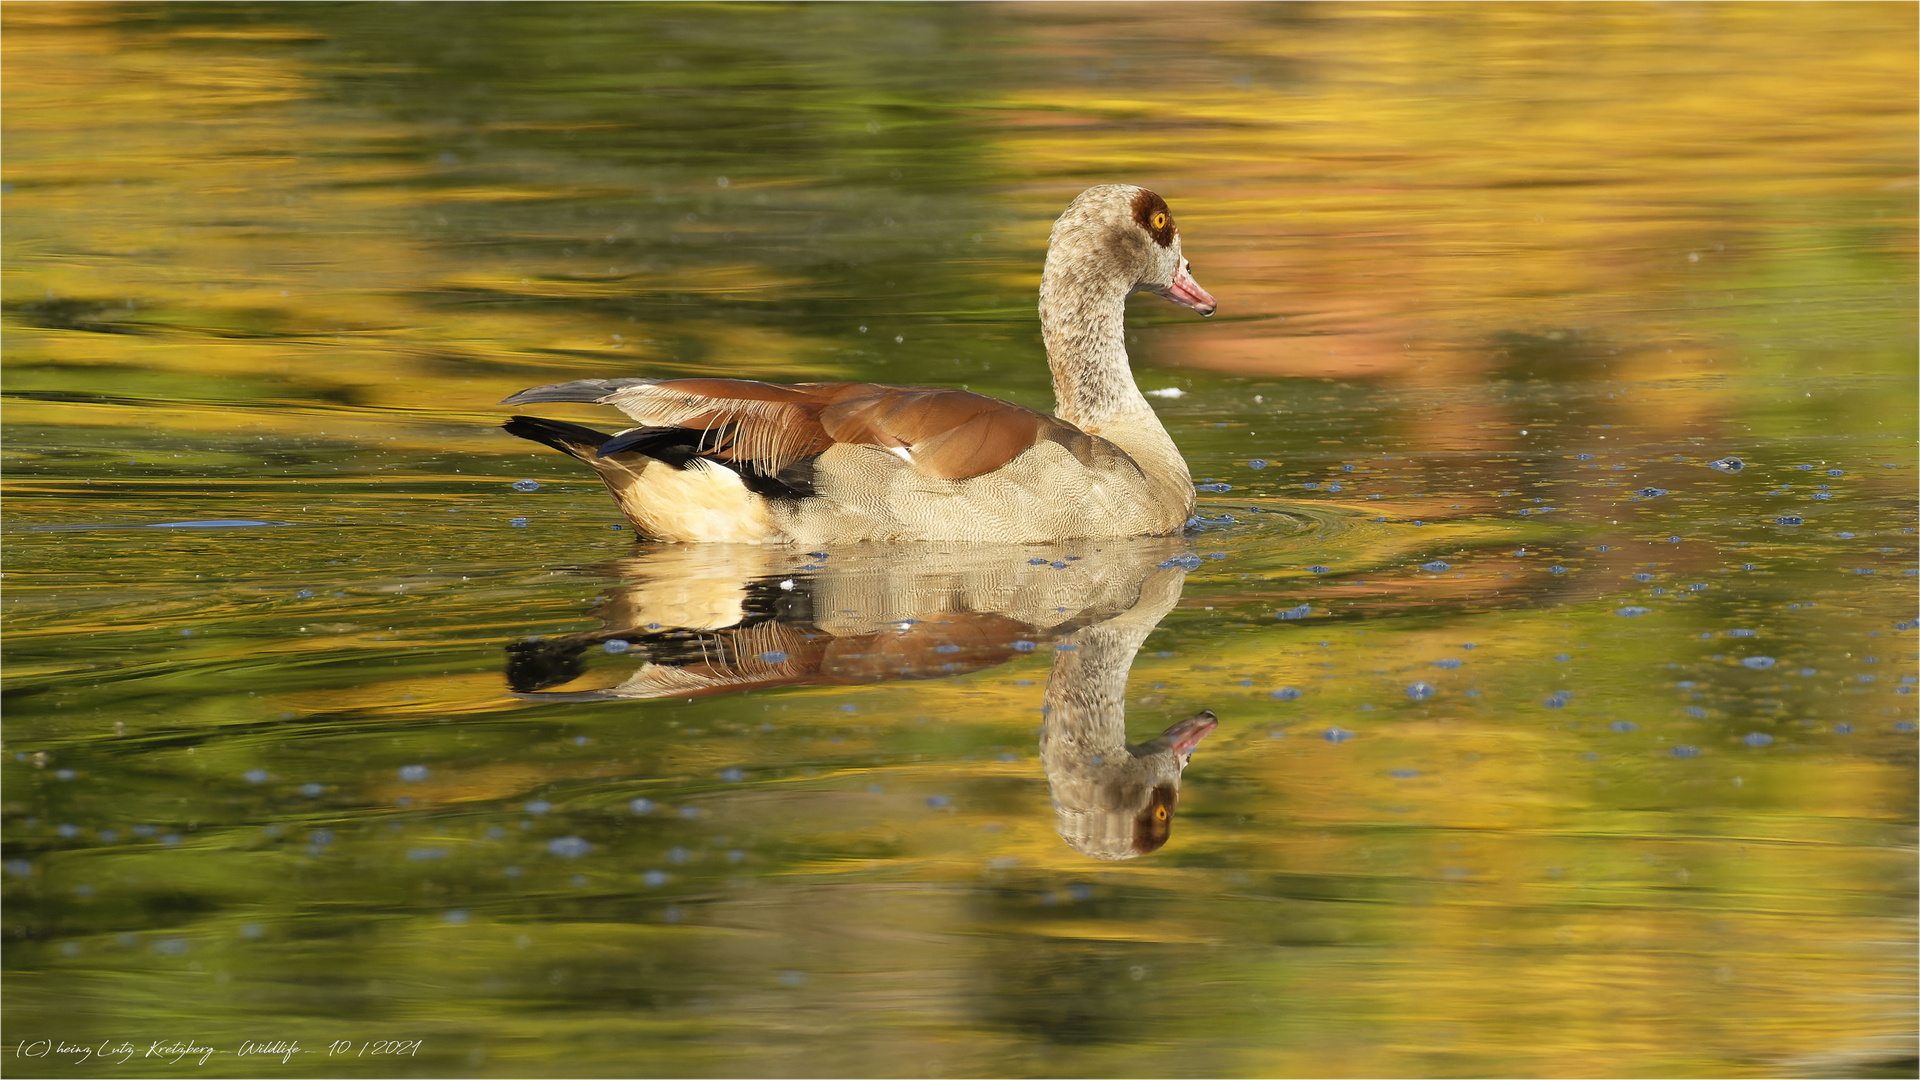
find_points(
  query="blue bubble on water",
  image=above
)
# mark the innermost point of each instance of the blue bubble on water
(849, 708)
(1036, 562)
(1758, 663)
(1256, 463)
(1420, 691)
(938, 800)
(1318, 570)
(616, 646)
(641, 805)
(1686, 751)
(526, 485)
(413, 773)
(569, 847)
(694, 811)
(1583, 457)
(1300, 612)
(1789, 519)
(1337, 735)
(654, 878)
(1335, 487)
(1742, 633)
(1651, 492)
(1404, 774)
(518, 522)
(1435, 567)
(1863, 569)
(255, 776)
(1622, 726)
(1449, 663)
(1311, 485)
(1285, 693)
(732, 775)
(304, 594)
(1757, 738)
(1556, 569)
(1903, 725)
(1643, 576)
(1629, 612)
(1804, 468)
(1836, 472)
(538, 806)
(1696, 712)
(1728, 464)
(1213, 487)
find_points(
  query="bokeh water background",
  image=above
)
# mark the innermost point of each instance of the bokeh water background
(1547, 746)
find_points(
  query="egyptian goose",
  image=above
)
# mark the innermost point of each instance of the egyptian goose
(718, 619)
(752, 462)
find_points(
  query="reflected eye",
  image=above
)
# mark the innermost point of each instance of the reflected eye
(1160, 219)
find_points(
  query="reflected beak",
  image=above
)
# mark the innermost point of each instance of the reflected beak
(1186, 734)
(1186, 292)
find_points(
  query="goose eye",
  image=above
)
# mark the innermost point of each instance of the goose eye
(1159, 813)
(1160, 219)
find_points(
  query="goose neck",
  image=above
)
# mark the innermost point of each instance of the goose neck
(1083, 321)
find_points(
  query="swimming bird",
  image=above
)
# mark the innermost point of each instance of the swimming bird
(743, 461)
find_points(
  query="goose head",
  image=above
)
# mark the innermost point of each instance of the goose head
(1121, 237)
(1119, 805)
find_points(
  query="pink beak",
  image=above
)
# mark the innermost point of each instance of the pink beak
(1186, 734)
(1185, 291)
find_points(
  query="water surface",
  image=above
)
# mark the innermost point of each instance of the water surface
(1555, 589)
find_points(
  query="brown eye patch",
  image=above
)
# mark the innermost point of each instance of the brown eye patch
(1151, 212)
(1153, 825)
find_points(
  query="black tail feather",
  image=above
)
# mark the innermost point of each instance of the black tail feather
(673, 446)
(577, 390)
(576, 439)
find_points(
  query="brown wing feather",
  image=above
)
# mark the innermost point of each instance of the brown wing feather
(948, 434)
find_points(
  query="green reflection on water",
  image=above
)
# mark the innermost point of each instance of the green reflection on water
(1492, 271)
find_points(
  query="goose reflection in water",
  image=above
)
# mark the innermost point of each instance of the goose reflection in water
(713, 619)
